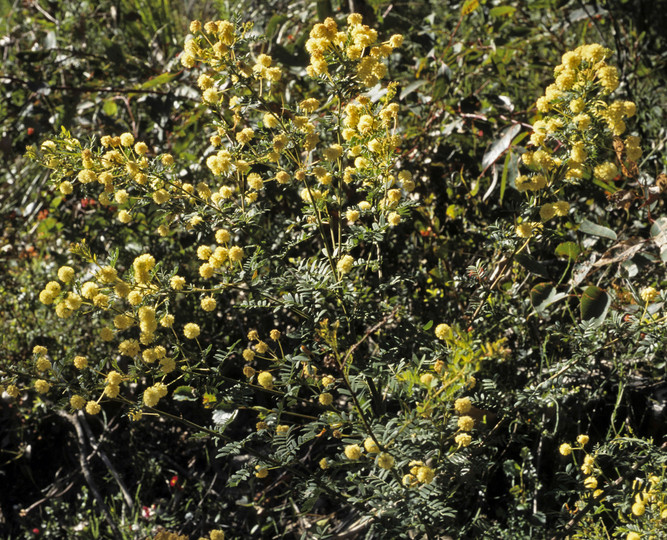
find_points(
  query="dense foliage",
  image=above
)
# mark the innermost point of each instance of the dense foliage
(321, 270)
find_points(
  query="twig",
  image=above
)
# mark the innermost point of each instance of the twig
(594, 500)
(107, 462)
(90, 481)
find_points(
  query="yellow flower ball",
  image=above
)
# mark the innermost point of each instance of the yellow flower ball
(265, 380)
(565, 449)
(463, 405)
(466, 423)
(92, 407)
(236, 254)
(208, 303)
(80, 362)
(443, 331)
(370, 446)
(425, 474)
(463, 440)
(42, 386)
(385, 461)
(65, 274)
(191, 330)
(77, 402)
(352, 452)
(426, 379)
(345, 264)
(591, 482)
(216, 534)
(325, 399)
(249, 372)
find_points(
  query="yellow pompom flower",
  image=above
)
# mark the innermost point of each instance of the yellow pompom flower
(191, 330)
(426, 379)
(527, 228)
(591, 482)
(463, 440)
(127, 139)
(265, 380)
(204, 253)
(463, 405)
(583, 440)
(80, 362)
(352, 452)
(66, 187)
(606, 171)
(466, 423)
(565, 449)
(638, 509)
(648, 294)
(92, 407)
(177, 283)
(42, 386)
(208, 303)
(42, 364)
(77, 402)
(106, 334)
(245, 136)
(236, 253)
(65, 274)
(370, 446)
(385, 461)
(345, 264)
(443, 331)
(325, 399)
(425, 474)
(547, 211)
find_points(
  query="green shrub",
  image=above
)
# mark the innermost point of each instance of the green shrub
(270, 296)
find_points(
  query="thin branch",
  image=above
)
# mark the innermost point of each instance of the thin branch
(87, 474)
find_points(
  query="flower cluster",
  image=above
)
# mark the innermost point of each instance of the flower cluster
(579, 135)
(419, 474)
(328, 46)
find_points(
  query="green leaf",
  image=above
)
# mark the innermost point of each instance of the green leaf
(588, 227)
(594, 304)
(532, 265)
(427, 326)
(412, 87)
(185, 393)
(659, 236)
(469, 6)
(540, 295)
(501, 11)
(500, 146)
(160, 79)
(274, 22)
(568, 250)
(110, 108)
(543, 295)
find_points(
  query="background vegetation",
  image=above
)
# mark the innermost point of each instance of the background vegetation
(544, 371)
